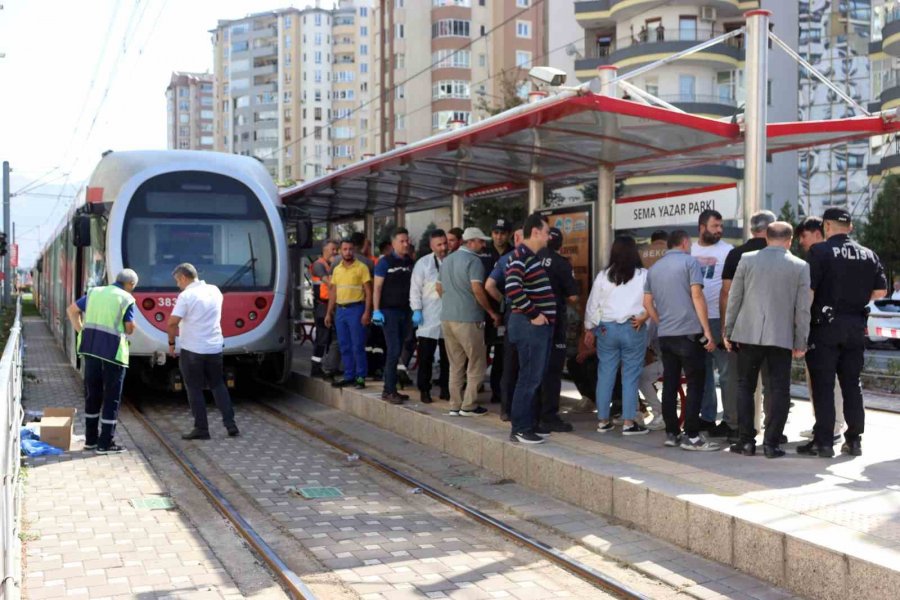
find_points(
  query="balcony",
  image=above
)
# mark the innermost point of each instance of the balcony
(647, 46)
(890, 165)
(691, 177)
(706, 105)
(890, 90)
(890, 34)
(599, 13)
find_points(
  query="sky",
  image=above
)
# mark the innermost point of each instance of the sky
(83, 77)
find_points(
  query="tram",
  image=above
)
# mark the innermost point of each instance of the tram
(152, 210)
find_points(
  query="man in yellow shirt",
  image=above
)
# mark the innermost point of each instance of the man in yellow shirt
(350, 295)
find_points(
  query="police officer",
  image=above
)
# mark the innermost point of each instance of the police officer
(845, 277)
(565, 288)
(494, 336)
(103, 318)
(320, 274)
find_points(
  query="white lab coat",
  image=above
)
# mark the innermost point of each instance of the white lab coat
(423, 296)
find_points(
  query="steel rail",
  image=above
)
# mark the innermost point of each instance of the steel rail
(285, 574)
(575, 567)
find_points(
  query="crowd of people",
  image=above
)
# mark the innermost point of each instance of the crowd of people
(675, 311)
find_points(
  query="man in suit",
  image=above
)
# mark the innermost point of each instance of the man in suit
(767, 320)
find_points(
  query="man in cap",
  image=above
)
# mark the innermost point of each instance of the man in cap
(463, 305)
(493, 336)
(565, 288)
(845, 276)
(103, 318)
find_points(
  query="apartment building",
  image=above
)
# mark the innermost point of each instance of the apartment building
(633, 33)
(189, 111)
(835, 38)
(278, 74)
(445, 60)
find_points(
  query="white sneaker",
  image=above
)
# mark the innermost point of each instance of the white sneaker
(657, 423)
(808, 434)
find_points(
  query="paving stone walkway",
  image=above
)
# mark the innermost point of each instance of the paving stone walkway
(83, 538)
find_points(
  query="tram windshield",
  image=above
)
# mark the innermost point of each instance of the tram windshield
(212, 221)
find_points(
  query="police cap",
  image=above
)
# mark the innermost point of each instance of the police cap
(837, 214)
(556, 239)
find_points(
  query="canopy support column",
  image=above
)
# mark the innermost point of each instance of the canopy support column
(457, 208)
(535, 194)
(332, 230)
(400, 216)
(606, 192)
(757, 73)
(369, 227)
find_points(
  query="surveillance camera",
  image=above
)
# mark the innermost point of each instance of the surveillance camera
(548, 75)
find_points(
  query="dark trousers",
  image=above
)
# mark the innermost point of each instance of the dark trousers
(102, 392)
(351, 334)
(427, 346)
(323, 335)
(493, 339)
(679, 353)
(837, 349)
(547, 398)
(532, 343)
(396, 325)
(510, 375)
(751, 359)
(205, 370)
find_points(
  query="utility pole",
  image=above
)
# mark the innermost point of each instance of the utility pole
(6, 273)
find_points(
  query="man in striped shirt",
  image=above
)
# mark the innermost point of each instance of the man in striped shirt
(530, 329)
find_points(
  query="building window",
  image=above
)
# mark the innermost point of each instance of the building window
(399, 60)
(184, 118)
(651, 84)
(317, 57)
(687, 28)
(523, 29)
(287, 20)
(363, 30)
(287, 41)
(184, 145)
(183, 92)
(450, 28)
(318, 18)
(318, 76)
(687, 85)
(363, 67)
(184, 105)
(400, 92)
(523, 58)
(317, 95)
(522, 3)
(364, 11)
(482, 60)
(399, 31)
(438, 3)
(441, 119)
(450, 89)
(457, 59)
(363, 49)
(317, 113)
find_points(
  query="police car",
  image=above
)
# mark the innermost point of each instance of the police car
(884, 321)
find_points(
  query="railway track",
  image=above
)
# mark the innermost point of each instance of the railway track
(292, 583)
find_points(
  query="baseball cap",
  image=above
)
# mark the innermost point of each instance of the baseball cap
(474, 233)
(837, 214)
(502, 225)
(556, 238)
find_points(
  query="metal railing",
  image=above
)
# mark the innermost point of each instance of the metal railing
(11, 370)
(605, 47)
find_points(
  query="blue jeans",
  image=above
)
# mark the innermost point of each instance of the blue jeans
(102, 392)
(396, 325)
(532, 344)
(619, 344)
(718, 360)
(352, 339)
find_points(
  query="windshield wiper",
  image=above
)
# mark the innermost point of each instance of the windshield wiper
(249, 266)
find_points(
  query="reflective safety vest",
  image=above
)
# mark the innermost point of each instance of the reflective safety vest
(103, 335)
(317, 281)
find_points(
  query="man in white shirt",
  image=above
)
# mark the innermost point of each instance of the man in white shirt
(426, 305)
(895, 293)
(195, 320)
(710, 251)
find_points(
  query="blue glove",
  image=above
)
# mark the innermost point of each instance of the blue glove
(417, 318)
(378, 318)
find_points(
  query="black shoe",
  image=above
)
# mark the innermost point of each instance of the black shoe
(811, 449)
(113, 448)
(706, 425)
(773, 451)
(852, 447)
(233, 431)
(504, 417)
(526, 437)
(722, 430)
(359, 383)
(196, 434)
(326, 376)
(475, 412)
(745, 448)
(444, 395)
(342, 383)
(782, 439)
(558, 426)
(635, 429)
(542, 431)
(425, 398)
(394, 398)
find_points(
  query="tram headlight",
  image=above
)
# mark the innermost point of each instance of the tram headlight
(261, 303)
(239, 323)
(148, 304)
(252, 315)
(159, 317)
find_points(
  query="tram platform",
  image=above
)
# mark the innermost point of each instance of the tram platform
(88, 528)
(820, 528)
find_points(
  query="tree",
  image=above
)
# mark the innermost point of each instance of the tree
(425, 241)
(882, 233)
(788, 215)
(508, 86)
(484, 212)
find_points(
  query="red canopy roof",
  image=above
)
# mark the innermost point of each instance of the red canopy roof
(562, 139)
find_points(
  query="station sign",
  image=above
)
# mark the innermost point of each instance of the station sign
(676, 208)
